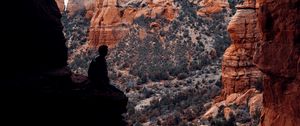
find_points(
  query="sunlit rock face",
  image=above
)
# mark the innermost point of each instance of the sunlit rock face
(238, 71)
(265, 42)
(106, 25)
(211, 6)
(112, 18)
(241, 79)
(278, 56)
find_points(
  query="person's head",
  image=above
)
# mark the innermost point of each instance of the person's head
(103, 50)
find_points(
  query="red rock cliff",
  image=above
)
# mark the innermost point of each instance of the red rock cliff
(112, 18)
(238, 71)
(279, 59)
(265, 37)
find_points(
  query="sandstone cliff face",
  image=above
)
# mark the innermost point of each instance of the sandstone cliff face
(265, 37)
(238, 71)
(106, 25)
(240, 77)
(112, 18)
(279, 59)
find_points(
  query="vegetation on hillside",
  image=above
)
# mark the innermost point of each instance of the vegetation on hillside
(170, 75)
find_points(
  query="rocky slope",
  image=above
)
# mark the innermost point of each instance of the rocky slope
(278, 57)
(76, 20)
(164, 57)
(190, 37)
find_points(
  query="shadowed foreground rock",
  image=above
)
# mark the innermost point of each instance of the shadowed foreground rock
(47, 101)
(36, 87)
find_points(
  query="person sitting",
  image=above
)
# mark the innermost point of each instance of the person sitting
(114, 101)
(97, 71)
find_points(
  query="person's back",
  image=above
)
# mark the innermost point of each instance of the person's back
(97, 72)
(114, 101)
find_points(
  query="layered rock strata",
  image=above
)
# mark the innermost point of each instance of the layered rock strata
(238, 71)
(242, 80)
(265, 37)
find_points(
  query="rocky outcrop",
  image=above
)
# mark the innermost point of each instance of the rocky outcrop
(112, 18)
(212, 6)
(265, 36)
(238, 71)
(278, 57)
(237, 107)
(242, 80)
(106, 25)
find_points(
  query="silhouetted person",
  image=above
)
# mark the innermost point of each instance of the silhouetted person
(97, 72)
(114, 101)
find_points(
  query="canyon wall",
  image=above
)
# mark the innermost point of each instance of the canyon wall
(278, 57)
(265, 50)
(112, 18)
